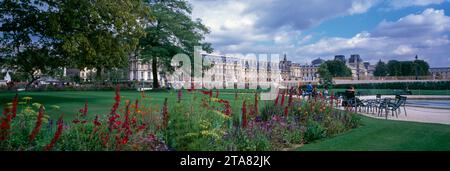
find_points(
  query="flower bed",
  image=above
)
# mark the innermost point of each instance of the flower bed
(198, 120)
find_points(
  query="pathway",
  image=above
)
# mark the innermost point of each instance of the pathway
(418, 114)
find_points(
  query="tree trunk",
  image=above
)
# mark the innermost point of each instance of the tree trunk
(98, 74)
(155, 73)
(33, 79)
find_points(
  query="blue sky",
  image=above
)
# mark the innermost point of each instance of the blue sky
(305, 29)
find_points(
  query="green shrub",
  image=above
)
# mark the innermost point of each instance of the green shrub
(314, 131)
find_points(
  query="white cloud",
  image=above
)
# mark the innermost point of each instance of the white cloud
(245, 25)
(362, 6)
(425, 34)
(430, 21)
(403, 50)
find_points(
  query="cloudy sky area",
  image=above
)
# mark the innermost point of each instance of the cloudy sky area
(307, 29)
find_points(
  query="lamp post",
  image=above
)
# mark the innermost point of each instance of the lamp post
(416, 68)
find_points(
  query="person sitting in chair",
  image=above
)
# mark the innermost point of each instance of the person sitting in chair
(349, 94)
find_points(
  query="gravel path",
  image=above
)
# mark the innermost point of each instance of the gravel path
(417, 114)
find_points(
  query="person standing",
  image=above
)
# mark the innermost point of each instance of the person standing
(309, 88)
(325, 92)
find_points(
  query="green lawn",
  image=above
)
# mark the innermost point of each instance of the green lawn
(379, 134)
(99, 102)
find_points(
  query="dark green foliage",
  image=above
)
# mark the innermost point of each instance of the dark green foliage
(333, 68)
(381, 69)
(407, 68)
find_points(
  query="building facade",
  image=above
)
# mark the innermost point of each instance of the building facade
(440, 73)
(356, 65)
(291, 71)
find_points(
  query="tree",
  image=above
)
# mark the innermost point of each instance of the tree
(333, 68)
(423, 67)
(99, 34)
(407, 68)
(381, 69)
(170, 32)
(25, 45)
(38, 36)
(394, 68)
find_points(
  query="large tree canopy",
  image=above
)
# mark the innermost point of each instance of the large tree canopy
(407, 68)
(38, 36)
(333, 68)
(99, 34)
(25, 45)
(170, 32)
(381, 69)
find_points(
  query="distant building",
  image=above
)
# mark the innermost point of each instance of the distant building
(355, 58)
(340, 58)
(309, 73)
(317, 62)
(357, 66)
(285, 68)
(440, 73)
(297, 72)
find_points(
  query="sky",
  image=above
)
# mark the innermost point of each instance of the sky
(308, 29)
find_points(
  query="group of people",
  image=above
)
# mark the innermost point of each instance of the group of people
(312, 91)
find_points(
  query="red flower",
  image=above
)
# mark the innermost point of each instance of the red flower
(105, 139)
(126, 123)
(76, 121)
(118, 123)
(113, 114)
(282, 99)
(205, 92)
(134, 120)
(38, 125)
(96, 122)
(276, 100)
(57, 134)
(5, 125)
(227, 110)
(244, 115)
(286, 111)
(142, 127)
(85, 110)
(83, 122)
(125, 140)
